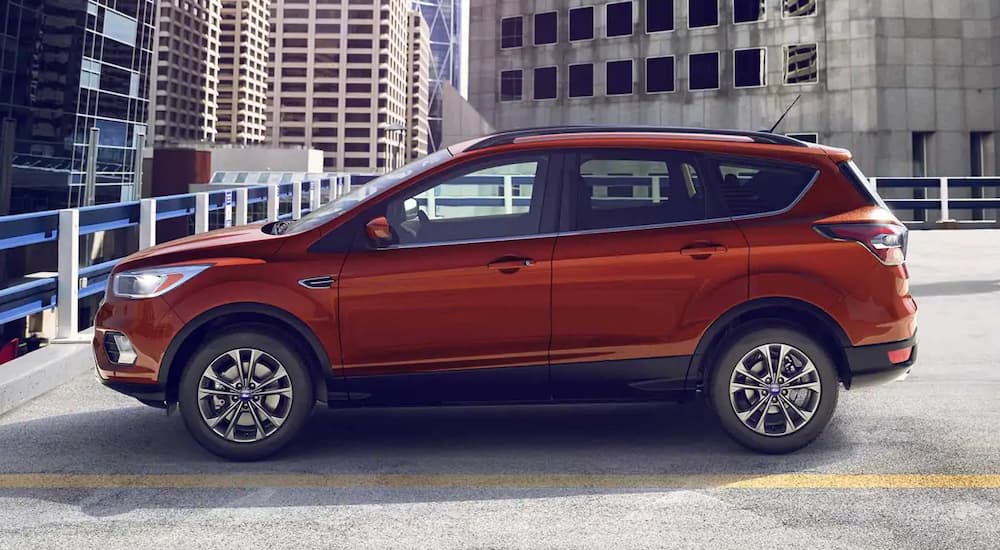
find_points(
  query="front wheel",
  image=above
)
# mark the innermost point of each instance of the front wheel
(245, 395)
(773, 389)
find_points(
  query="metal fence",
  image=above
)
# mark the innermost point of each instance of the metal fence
(73, 282)
(926, 202)
(919, 202)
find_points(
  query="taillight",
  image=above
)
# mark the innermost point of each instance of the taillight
(887, 241)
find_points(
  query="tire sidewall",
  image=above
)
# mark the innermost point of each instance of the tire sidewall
(303, 396)
(741, 344)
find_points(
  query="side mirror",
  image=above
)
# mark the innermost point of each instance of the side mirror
(378, 230)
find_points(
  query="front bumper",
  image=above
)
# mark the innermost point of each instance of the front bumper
(147, 394)
(870, 365)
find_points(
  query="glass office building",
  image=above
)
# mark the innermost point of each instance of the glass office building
(67, 66)
(444, 18)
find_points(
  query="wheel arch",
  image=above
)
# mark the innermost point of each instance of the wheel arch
(186, 342)
(816, 322)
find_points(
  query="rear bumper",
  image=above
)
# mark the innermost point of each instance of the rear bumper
(871, 366)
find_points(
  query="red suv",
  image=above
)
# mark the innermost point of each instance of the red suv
(572, 264)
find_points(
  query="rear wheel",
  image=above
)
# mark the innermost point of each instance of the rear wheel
(773, 389)
(245, 395)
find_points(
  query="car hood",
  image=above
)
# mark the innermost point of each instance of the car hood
(246, 241)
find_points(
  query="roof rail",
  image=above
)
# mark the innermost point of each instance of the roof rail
(506, 138)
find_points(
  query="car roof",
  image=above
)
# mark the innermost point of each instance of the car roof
(515, 136)
(613, 133)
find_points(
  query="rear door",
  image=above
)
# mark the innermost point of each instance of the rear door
(646, 259)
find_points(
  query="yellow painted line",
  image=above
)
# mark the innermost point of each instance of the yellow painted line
(512, 481)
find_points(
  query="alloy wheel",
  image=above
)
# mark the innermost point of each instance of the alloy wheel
(244, 395)
(775, 389)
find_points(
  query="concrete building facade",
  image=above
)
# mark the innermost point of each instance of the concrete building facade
(243, 71)
(186, 71)
(909, 86)
(339, 80)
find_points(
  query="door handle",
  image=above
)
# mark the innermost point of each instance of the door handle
(510, 264)
(702, 251)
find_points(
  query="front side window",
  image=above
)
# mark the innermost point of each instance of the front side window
(623, 189)
(366, 192)
(750, 187)
(493, 200)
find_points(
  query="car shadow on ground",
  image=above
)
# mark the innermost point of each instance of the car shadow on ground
(543, 440)
(953, 288)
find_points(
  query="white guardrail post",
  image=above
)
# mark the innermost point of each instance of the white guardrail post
(201, 212)
(241, 206)
(68, 285)
(273, 203)
(147, 223)
(315, 195)
(508, 194)
(296, 200)
(945, 213)
(332, 194)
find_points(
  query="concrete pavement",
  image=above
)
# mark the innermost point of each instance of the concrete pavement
(914, 464)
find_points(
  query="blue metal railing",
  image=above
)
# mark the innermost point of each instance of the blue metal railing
(921, 202)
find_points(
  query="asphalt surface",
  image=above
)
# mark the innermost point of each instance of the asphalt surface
(914, 464)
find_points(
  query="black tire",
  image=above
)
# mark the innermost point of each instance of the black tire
(296, 412)
(733, 351)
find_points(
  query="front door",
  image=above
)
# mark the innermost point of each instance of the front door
(646, 261)
(456, 308)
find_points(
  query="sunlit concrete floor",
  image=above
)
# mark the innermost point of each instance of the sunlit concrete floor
(915, 464)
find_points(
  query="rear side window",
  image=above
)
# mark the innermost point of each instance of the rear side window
(860, 183)
(621, 189)
(750, 187)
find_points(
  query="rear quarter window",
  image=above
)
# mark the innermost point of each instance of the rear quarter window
(749, 187)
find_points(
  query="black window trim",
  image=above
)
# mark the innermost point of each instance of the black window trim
(551, 167)
(711, 160)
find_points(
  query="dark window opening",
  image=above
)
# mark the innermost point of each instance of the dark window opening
(581, 23)
(581, 80)
(703, 71)
(659, 15)
(619, 77)
(750, 68)
(546, 25)
(512, 32)
(545, 83)
(659, 74)
(511, 85)
(619, 19)
(747, 11)
(703, 13)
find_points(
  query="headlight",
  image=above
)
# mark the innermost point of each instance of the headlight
(153, 281)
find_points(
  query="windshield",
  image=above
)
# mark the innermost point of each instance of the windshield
(366, 192)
